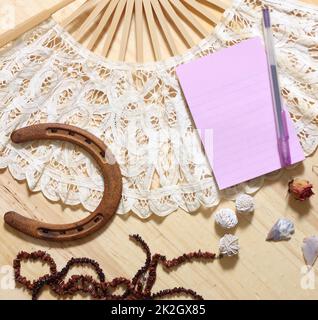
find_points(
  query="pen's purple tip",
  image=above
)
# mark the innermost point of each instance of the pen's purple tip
(267, 21)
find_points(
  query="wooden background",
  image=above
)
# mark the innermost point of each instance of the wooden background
(261, 271)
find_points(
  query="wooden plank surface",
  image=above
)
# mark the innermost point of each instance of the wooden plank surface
(262, 271)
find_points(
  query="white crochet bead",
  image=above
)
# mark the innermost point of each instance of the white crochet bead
(244, 203)
(229, 245)
(226, 218)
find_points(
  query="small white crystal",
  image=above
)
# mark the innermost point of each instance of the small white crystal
(281, 230)
(229, 245)
(226, 218)
(310, 250)
(244, 203)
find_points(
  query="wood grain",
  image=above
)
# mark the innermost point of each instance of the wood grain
(262, 271)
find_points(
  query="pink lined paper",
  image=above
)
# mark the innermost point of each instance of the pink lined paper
(229, 92)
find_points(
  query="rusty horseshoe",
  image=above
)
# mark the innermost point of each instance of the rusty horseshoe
(112, 184)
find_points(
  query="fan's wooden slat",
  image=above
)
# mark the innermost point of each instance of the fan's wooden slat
(139, 30)
(126, 28)
(87, 5)
(27, 25)
(177, 22)
(223, 4)
(203, 10)
(113, 26)
(152, 28)
(164, 26)
(102, 23)
(191, 18)
(167, 12)
(90, 20)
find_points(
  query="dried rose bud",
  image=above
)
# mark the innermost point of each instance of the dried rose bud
(301, 189)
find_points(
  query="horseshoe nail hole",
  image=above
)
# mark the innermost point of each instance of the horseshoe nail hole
(62, 232)
(45, 232)
(102, 153)
(80, 229)
(97, 219)
(53, 130)
(71, 133)
(88, 141)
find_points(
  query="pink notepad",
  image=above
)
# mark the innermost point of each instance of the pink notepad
(229, 92)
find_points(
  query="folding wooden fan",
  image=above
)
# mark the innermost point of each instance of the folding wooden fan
(98, 24)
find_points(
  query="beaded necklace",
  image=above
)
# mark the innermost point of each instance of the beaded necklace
(138, 288)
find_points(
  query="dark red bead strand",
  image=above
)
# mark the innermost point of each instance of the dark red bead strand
(138, 288)
(177, 292)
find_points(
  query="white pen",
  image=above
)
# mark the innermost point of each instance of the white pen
(280, 115)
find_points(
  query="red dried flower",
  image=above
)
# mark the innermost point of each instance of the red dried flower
(300, 189)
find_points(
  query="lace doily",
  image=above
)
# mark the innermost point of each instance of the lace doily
(139, 111)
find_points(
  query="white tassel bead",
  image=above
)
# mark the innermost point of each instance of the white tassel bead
(226, 218)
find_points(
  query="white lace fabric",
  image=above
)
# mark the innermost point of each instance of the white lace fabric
(139, 111)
